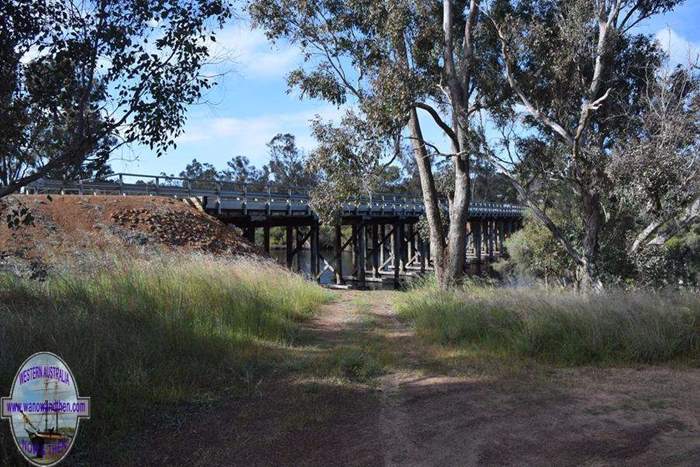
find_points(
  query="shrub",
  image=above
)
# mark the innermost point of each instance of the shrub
(559, 325)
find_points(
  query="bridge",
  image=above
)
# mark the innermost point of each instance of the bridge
(384, 236)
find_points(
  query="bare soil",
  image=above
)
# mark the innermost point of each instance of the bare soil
(432, 406)
(65, 226)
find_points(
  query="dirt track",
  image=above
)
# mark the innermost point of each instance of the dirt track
(437, 407)
(474, 415)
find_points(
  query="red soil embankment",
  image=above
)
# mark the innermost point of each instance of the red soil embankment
(67, 224)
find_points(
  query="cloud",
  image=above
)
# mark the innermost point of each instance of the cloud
(679, 49)
(248, 136)
(251, 53)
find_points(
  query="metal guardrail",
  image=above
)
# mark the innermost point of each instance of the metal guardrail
(232, 196)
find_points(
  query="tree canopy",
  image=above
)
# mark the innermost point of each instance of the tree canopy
(81, 79)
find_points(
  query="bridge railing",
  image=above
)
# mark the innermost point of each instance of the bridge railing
(221, 192)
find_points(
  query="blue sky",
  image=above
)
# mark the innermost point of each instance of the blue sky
(251, 104)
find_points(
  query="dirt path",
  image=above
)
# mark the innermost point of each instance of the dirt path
(361, 389)
(476, 412)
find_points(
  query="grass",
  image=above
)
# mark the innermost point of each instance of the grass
(140, 335)
(559, 326)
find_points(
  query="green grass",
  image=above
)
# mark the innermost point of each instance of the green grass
(560, 326)
(141, 335)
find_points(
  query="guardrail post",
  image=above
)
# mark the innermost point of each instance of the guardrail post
(121, 184)
(289, 202)
(157, 186)
(80, 186)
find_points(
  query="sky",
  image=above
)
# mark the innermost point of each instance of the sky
(251, 103)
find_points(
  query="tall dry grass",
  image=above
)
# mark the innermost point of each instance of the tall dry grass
(141, 335)
(558, 325)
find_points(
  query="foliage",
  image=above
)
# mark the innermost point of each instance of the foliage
(388, 60)
(288, 164)
(558, 325)
(534, 252)
(80, 81)
(583, 76)
(675, 263)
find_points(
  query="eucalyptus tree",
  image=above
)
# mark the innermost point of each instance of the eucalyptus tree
(391, 60)
(578, 70)
(91, 75)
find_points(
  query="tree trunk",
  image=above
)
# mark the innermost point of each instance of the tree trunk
(456, 247)
(430, 200)
(587, 271)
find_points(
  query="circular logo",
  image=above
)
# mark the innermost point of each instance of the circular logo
(44, 409)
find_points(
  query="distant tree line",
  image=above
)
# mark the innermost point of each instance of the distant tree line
(289, 167)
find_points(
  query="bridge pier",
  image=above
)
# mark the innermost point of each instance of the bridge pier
(491, 237)
(289, 245)
(396, 246)
(266, 238)
(338, 247)
(501, 238)
(375, 251)
(477, 240)
(361, 253)
(314, 253)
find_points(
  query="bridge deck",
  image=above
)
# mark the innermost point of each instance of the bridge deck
(230, 200)
(384, 238)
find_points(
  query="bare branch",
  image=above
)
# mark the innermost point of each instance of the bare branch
(440, 122)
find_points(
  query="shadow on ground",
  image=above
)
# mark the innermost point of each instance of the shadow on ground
(360, 389)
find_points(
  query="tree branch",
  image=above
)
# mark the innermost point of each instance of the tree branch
(440, 122)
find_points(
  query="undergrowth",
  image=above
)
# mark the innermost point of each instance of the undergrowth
(560, 326)
(139, 335)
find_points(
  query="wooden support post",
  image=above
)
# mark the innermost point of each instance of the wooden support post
(361, 253)
(421, 252)
(490, 239)
(477, 241)
(410, 244)
(290, 246)
(266, 238)
(402, 246)
(313, 256)
(382, 247)
(338, 255)
(299, 246)
(428, 251)
(396, 244)
(250, 234)
(375, 250)
(467, 236)
(501, 237)
(353, 247)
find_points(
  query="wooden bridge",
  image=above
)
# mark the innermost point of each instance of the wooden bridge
(384, 236)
